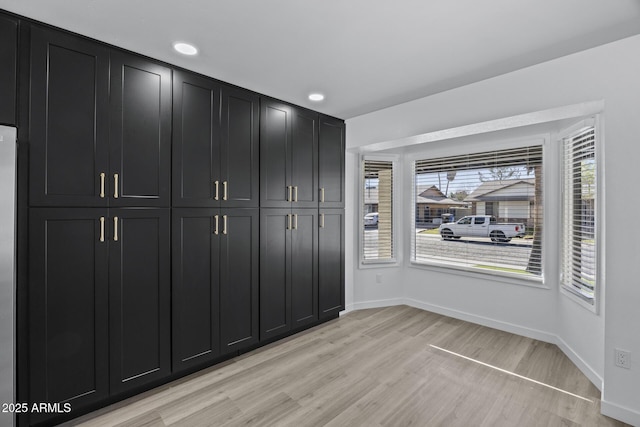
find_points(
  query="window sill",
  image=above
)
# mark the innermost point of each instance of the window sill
(579, 300)
(496, 276)
(364, 265)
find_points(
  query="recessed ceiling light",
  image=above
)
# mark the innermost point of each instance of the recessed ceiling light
(185, 48)
(316, 97)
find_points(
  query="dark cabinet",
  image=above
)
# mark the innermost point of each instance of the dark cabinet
(69, 120)
(98, 302)
(215, 144)
(139, 297)
(80, 157)
(331, 162)
(140, 132)
(68, 315)
(288, 156)
(239, 278)
(330, 262)
(8, 70)
(288, 270)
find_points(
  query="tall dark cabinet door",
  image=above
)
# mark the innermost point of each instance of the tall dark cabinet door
(239, 270)
(196, 286)
(139, 296)
(304, 158)
(239, 153)
(196, 141)
(304, 267)
(68, 318)
(331, 159)
(8, 69)
(276, 189)
(69, 120)
(331, 262)
(140, 132)
(275, 272)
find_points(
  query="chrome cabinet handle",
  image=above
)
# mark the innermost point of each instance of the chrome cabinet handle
(224, 224)
(295, 192)
(102, 229)
(224, 191)
(115, 185)
(321, 220)
(289, 226)
(322, 195)
(102, 176)
(295, 221)
(289, 198)
(217, 184)
(115, 228)
(215, 230)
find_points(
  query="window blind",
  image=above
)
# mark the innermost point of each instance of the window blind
(505, 185)
(579, 265)
(377, 235)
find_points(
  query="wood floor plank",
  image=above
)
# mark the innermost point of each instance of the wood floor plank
(392, 366)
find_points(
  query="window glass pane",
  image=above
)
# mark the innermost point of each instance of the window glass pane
(481, 211)
(377, 235)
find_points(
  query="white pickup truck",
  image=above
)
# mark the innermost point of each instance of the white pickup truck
(482, 226)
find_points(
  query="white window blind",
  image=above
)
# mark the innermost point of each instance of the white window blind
(377, 233)
(489, 198)
(579, 214)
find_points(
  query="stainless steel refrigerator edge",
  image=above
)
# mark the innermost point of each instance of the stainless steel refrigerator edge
(7, 270)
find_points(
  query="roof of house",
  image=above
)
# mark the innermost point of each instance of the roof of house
(433, 196)
(511, 189)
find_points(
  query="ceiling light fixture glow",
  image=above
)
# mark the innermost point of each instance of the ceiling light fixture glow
(316, 97)
(185, 48)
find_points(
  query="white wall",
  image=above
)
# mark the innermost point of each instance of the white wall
(610, 73)
(513, 209)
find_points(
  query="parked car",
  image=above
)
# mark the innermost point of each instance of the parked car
(371, 219)
(482, 226)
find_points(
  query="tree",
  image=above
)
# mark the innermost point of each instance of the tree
(451, 175)
(500, 174)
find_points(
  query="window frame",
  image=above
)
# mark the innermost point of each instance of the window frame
(395, 205)
(599, 213)
(480, 146)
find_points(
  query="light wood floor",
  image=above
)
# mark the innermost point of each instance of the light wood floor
(394, 366)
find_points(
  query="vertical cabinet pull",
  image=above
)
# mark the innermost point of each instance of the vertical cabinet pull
(115, 228)
(321, 220)
(217, 185)
(322, 195)
(215, 230)
(224, 191)
(295, 221)
(102, 229)
(289, 218)
(102, 176)
(224, 224)
(115, 185)
(295, 193)
(290, 197)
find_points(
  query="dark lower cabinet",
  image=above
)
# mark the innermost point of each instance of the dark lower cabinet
(288, 270)
(239, 278)
(330, 262)
(8, 69)
(98, 303)
(68, 307)
(139, 297)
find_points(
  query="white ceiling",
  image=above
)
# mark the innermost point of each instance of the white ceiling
(362, 54)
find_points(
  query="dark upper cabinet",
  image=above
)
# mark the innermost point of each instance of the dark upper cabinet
(140, 132)
(330, 262)
(288, 156)
(238, 232)
(239, 149)
(8, 69)
(69, 121)
(331, 153)
(215, 144)
(288, 270)
(196, 286)
(68, 317)
(139, 297)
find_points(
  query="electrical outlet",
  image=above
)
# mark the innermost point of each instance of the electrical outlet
(622, 358)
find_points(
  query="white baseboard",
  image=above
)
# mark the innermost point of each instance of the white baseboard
(584, 367)
(620, 413)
